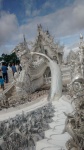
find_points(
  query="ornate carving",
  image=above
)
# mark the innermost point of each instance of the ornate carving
(75, 122)
(24, 130)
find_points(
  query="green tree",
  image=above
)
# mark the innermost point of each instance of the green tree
(12, 58)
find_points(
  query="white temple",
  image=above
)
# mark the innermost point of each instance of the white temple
(37, 113)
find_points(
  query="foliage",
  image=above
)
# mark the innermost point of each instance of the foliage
(12, 58)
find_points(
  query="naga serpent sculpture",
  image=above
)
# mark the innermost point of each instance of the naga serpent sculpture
(56, 78)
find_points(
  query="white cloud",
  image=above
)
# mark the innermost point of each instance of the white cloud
(28, 4)
(8, 26)
(28, 12)
(66, 21)
(50, 4)
(47, 4)
(36, 12)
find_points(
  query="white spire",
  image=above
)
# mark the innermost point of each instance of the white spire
(81, 36)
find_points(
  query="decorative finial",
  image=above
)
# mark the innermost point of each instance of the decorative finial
(25, 43)
(81, 36)
(24, 37)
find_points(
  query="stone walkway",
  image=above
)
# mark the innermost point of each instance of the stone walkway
(54, 139)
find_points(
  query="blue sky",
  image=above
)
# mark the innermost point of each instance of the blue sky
(25, 9)
(63, 18)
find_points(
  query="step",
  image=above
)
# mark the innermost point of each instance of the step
(57, 131)
(57, 123)
(56, 142)
(42, 144)
(48, 145)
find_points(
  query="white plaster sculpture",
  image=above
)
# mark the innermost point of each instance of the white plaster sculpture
(56, 78)
(75, 122)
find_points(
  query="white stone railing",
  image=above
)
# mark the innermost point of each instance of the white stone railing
(66, 75)
(47, 80)
(9, 89)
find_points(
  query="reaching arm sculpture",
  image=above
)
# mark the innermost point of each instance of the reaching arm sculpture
(56, 78)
